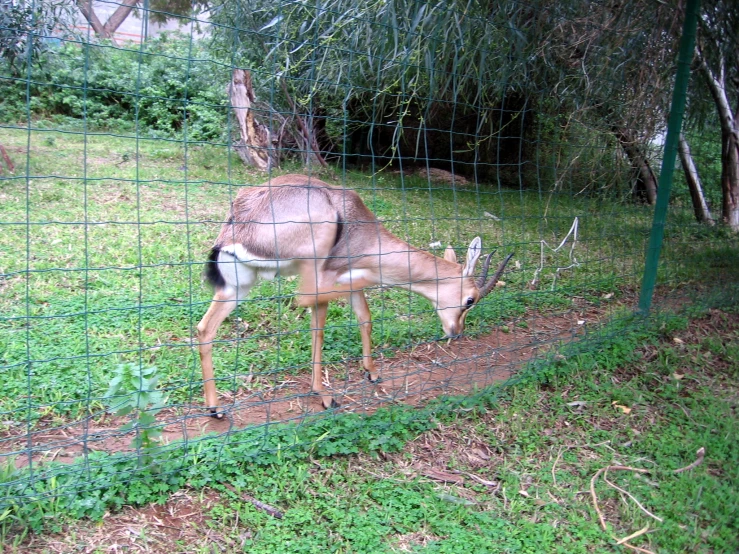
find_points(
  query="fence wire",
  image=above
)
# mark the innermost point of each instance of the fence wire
(123, 157)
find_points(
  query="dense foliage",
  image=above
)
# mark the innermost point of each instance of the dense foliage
(170, 87)
(25, 27)
(470, 81)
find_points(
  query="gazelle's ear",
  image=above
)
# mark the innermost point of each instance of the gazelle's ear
(473, 254)
(450, 255)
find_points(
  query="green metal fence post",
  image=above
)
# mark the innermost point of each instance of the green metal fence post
(674, 124)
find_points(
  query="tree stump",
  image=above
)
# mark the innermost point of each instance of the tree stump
(256, 143)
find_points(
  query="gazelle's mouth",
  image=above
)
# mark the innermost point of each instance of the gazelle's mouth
(453, 334)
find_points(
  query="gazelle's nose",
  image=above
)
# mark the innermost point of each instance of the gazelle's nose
(453, 332)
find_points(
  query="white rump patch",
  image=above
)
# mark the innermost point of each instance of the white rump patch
(353, 276)
(241, 269)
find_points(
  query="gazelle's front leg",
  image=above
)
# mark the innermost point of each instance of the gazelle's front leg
(317, 323)
(364, 318)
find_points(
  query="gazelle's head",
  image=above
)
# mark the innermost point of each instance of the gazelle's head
(457, 294)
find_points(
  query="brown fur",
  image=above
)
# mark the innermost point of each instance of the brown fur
(295, 216)
(338, 247)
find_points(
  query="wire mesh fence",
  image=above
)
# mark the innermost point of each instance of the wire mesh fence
(448, 121)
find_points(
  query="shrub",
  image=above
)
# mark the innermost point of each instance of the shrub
(167, 86)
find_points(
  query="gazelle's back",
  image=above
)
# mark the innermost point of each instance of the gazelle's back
(294, 217)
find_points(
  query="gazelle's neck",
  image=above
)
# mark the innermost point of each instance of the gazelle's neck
(420, 272)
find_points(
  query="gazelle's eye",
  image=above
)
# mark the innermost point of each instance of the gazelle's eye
(470, 302)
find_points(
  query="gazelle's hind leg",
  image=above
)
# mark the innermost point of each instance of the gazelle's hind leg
(232, 280)
(364, 318)
(223, 304)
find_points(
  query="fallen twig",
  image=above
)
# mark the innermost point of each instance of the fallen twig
(453, 356)
(476, 478)
(698, 461)
(638, 549)
(622, 542)
(258, 504)
(595, 498)
(627, 493)
(443, 476)
(8, 161)
(633, 535)
(554, 465)
(592, 486)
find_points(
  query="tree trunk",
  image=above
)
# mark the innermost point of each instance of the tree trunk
(730, 177)
(255, 144)
(85, 7)
(114, 21)
(729, 141)
(119, 15)
(700, 207)
(646, 187)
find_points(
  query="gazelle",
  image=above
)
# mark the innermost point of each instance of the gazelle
(298, 225)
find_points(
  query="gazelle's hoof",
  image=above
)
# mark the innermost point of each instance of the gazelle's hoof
(214, 413)
(333, 406)
(373, 381)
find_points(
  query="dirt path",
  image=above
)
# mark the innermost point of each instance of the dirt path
(412, 377)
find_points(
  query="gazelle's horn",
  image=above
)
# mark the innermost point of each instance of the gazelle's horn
(480, 282)
(484, 290)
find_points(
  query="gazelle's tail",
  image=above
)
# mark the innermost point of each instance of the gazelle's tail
(212, 272)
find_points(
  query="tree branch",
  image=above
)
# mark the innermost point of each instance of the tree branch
(717, 87)
(114, 21)
(308, 136)
(85, 7)
(120, 15)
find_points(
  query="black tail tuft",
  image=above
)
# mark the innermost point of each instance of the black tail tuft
(212, 273)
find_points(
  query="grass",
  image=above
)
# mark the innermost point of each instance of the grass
(104, 238)
(511, 473)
